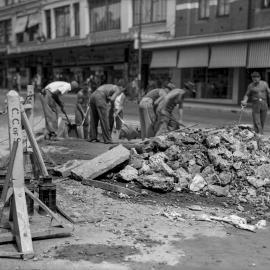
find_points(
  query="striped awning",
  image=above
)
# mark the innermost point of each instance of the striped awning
(228, 55)
(20, 25)
(193, 57)
(259, 54)
(164, 58)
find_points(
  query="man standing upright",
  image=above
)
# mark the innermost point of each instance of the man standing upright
(259, 94)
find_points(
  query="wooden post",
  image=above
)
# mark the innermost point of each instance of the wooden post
(21, 227)
(29, 109)
(31, 137)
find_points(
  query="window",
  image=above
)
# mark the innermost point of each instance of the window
(33, 33)
(152, 11)
(9, 2)
(76, 10)
(223, 7)
(204, 9)
(5, 31)
(266, 3)
(104, 15)
(62, 21)
(20, 37)
(48, 24)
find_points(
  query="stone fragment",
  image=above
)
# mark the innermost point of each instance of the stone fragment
(263, 171)
(156, 162)
(197, 183)
(136, 162)
(212, 141)
(218, 190)
(258, 182)
(225, 178)
(237, 165)
(128, 174)
(145, 169)
(217, 160)
(157, 181)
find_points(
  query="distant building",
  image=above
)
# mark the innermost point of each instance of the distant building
(72, 39)
(217, 44)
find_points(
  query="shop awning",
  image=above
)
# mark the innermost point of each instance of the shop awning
(164, 59)
(193, 57)
(20, 25)
(228, 55)
(33, 20)
(259, 54)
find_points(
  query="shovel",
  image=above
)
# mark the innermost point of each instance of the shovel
(129, 131)
(174, 120)
(72, 128)
(241, 114)
(80, 127)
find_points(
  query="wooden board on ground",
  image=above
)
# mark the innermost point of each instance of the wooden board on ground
(101, 164)
(110, 187)
(65, 169)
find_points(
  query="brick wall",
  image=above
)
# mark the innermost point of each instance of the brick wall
(260, 16)
(188, 22)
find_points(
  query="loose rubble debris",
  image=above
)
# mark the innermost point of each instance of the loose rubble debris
(229, 162)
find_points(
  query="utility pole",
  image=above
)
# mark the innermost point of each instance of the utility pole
(140, 51)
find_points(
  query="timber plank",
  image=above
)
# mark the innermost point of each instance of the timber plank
(110, 187)
(101, 164)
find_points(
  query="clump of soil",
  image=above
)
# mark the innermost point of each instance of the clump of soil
(95, 253)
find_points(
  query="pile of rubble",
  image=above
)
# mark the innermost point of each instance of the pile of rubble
(225, 162)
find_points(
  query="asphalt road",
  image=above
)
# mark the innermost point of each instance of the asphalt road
(206, 117)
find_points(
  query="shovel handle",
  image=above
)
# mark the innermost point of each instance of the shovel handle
(84, 118)
(67, 117)
(174, 120)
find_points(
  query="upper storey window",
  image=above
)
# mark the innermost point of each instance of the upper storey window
(104, 15)
(5, 31)
(266, 3)
(62, 21)
(204, 9)
(223, 7)
(152, 11)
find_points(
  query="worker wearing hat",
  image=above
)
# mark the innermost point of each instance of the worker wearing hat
(100, 106)
(50, 98)
(147, 109)
(259, 94)
(165, 109)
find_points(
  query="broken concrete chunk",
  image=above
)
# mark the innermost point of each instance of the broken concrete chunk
(225, 178)
(263, 171)
(101, 164)
(212, 141)
(218, 190)
(64, 170)
(258, 182)
(157, 163)
(145, 169)
(157, 181)
(128, 174)
(197, 183)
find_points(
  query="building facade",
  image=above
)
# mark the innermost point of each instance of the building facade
(217, 44)
(72, 39)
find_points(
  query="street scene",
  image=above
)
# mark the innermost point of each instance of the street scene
(134, 134)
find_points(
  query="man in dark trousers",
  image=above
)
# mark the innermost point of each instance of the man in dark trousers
(259, 94)
(100, 102)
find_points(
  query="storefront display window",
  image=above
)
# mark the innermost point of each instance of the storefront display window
(210, 83)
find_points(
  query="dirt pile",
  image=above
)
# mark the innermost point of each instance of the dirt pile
(233, 162)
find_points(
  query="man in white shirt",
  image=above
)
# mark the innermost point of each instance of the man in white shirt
(50, 98)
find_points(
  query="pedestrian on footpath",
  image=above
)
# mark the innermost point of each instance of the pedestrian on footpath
(50, 98)
(147, 109)
(259, 93)
(165, 108)
(100, 104)
(82, 112)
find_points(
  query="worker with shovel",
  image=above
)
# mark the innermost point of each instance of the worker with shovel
(50, 98)
(147, 109)
(259, 93)
(100, 104)
(165, 108)
(82, 115)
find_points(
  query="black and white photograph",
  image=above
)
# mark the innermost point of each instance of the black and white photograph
(134, 134)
